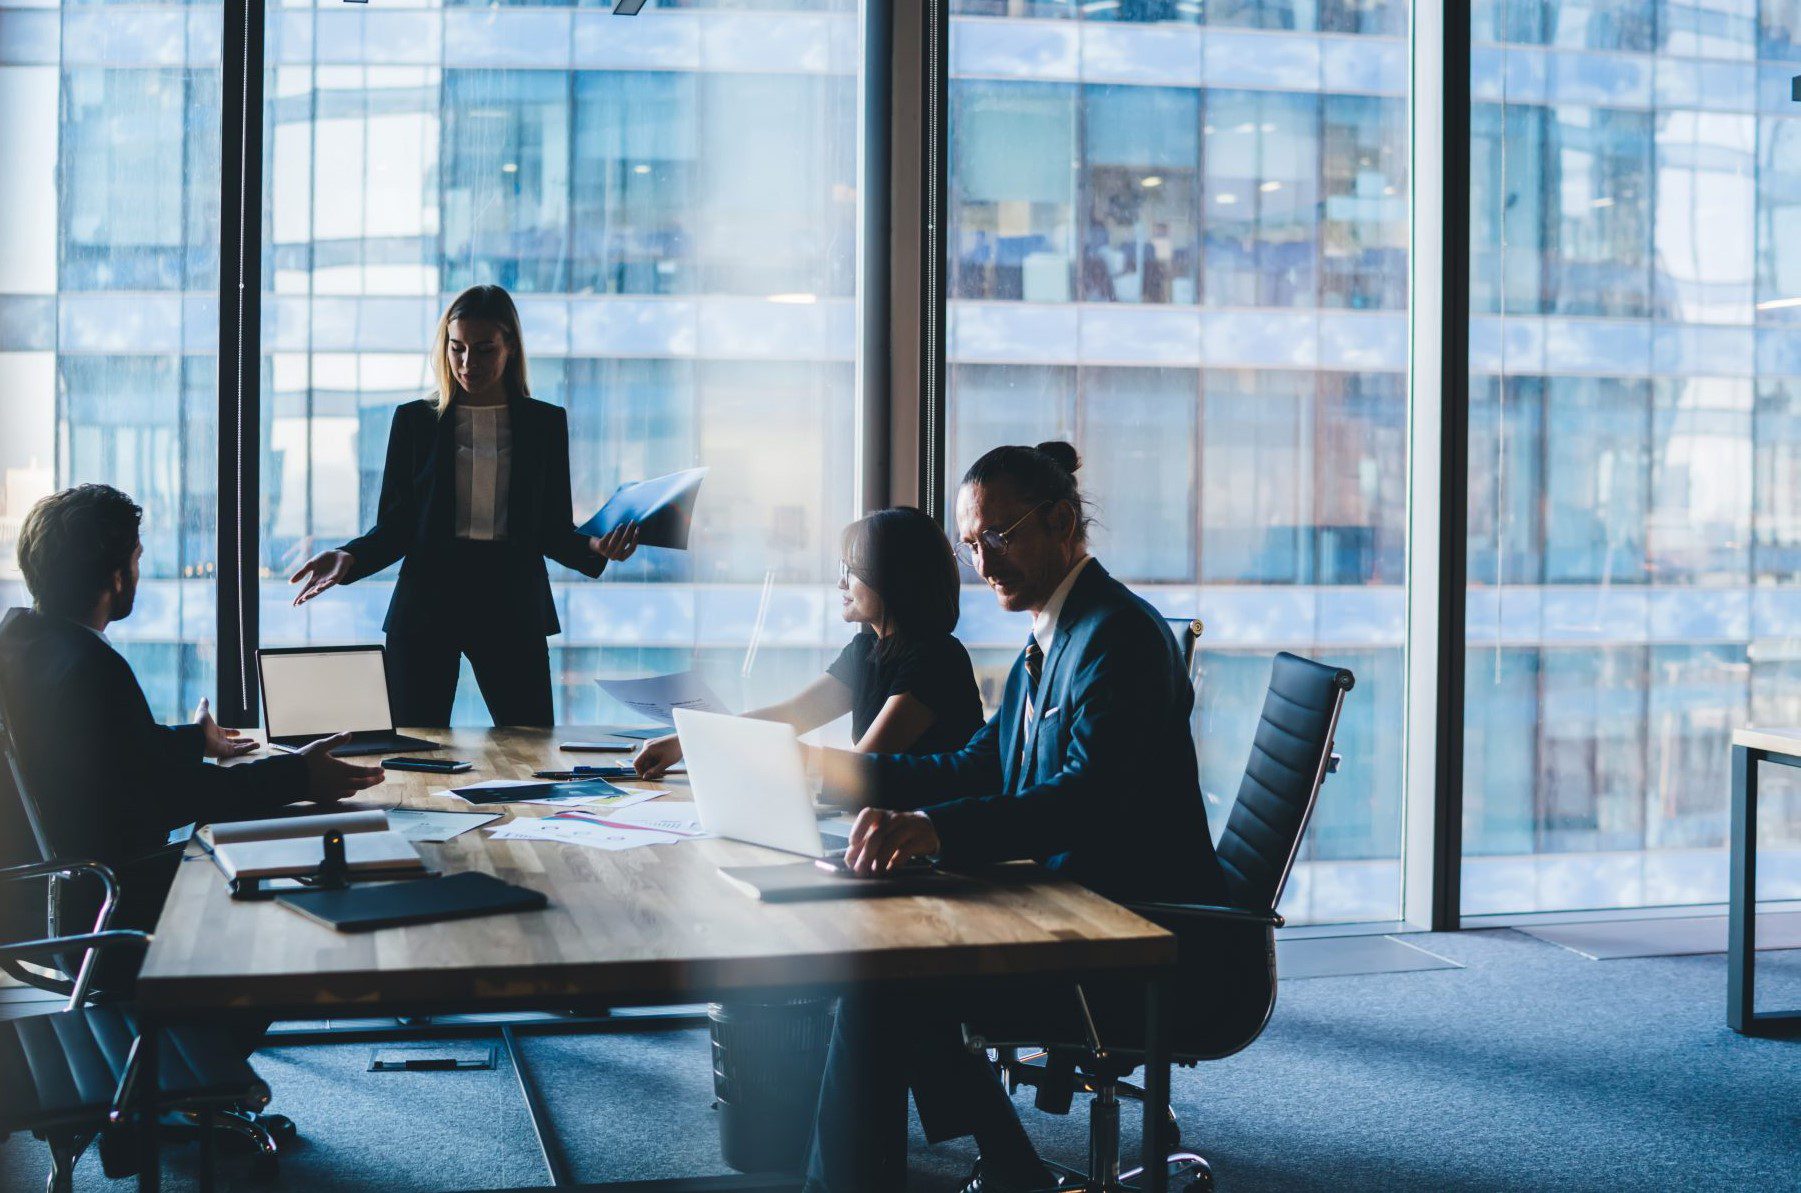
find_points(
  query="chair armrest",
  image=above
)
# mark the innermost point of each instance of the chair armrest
(1206, 911)
(57, 866)
(109, 883)
(77, 990)
(65, 944)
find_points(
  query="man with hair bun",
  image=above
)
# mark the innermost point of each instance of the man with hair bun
(1088, 768)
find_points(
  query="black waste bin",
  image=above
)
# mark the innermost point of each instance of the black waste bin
(767, 1061)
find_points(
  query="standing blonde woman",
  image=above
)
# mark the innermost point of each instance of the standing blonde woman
(474, 497)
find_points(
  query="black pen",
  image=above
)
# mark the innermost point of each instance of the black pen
(586, 772)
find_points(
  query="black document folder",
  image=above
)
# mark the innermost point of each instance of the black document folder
(663, 508)
(389, 904)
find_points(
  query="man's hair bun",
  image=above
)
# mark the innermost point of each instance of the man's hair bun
(1063, 453)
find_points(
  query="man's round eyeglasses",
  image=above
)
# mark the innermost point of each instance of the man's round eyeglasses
(992, 542)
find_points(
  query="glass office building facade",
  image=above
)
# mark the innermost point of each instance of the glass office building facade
(1178, 235)
(1179, 239)
(1635, 516)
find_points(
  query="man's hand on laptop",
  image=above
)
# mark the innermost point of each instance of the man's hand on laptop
(217, 742)
(329, 779)
(882, 841)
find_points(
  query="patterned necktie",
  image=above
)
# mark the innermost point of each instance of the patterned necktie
(1034, 661)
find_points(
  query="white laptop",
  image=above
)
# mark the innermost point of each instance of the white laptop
(750, 783)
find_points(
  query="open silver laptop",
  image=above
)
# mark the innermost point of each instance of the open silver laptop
(310, 692)
(750, 783)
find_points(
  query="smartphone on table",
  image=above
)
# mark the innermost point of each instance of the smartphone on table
(437, 766)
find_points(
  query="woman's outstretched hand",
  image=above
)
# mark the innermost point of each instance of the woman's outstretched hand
(656, 756)
(617, 544)
(321, 572)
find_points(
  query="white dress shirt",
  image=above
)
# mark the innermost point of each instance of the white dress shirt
(484, 469)
(1044, 629)
(1044, 622)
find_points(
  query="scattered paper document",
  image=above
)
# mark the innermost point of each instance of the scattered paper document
(422, 826)
(624, 799)
(592, 792)
(485, 784)
(535, 791)
(578, 831)
(663, 508)
(640, 734)
(658, 696)
(678, 818)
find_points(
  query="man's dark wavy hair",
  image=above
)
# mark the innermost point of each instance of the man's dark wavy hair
(71, 544)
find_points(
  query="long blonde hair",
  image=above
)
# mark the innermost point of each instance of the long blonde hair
(491, 304)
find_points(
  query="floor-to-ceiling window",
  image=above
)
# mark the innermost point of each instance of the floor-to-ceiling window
(672, 198)
(108, 277)
(1635, 525)
(1178, 239)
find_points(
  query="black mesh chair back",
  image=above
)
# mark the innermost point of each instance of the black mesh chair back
(1290, 755)
(19, 809)
(27, 841)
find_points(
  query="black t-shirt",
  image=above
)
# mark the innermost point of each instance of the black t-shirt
(935, 671)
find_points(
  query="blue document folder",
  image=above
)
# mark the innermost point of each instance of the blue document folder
(663, 508)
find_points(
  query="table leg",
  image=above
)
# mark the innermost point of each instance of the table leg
(1741, 924)
(1156, 1084)
(144, 1096)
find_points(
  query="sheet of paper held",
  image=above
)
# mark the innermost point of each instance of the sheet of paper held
(578, 831)
(418, 825)
(657, 696)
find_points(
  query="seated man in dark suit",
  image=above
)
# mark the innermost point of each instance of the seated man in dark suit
(1088, 767)
(110, 781)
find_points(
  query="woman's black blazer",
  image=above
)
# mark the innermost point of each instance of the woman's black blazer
(415, 522)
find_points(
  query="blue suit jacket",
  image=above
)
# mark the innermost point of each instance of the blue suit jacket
(1108, 793)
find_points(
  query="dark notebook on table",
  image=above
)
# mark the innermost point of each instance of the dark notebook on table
(792, 882)
(389, 904)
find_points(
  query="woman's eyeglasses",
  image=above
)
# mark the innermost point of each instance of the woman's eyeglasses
(992, 542)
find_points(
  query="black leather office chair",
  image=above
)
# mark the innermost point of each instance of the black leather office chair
(1226, 956)
(69, 1075)
(1188, 632)
(74, 973)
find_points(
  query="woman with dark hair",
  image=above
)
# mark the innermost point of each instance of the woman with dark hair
(474, 497)
(905, 681)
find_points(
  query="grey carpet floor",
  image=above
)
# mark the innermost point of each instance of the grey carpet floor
(1529, 1068)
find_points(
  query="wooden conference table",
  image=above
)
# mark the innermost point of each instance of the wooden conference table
(643, 927)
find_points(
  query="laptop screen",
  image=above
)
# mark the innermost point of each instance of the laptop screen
(314, 693)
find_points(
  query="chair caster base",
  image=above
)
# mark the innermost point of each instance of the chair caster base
(1192, 1169)
(118, 1153)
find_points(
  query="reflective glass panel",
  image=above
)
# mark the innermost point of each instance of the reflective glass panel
(109, 270)
(672, 199)
(1636, 286)
(1184, 249)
